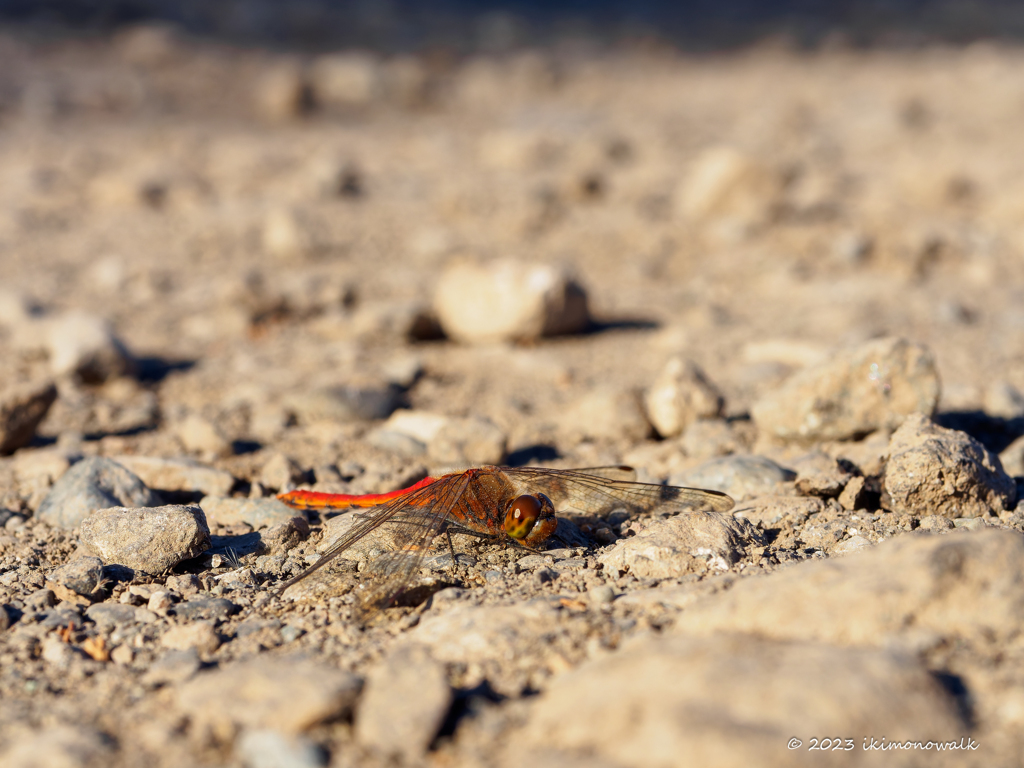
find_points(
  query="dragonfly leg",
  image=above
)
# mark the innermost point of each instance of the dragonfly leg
(451, 551)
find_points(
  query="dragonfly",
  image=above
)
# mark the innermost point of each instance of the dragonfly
(511, 505)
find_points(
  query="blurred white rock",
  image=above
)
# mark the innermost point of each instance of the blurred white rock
(509, 301)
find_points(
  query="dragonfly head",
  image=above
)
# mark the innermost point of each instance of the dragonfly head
(530, 519)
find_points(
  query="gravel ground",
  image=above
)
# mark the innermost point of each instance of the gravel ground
(229, 274)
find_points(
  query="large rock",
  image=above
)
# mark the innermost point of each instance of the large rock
(873, 386)
(92, 484)
(967, 586)
(693, 540)
(405, 702)
(741, 477)
(509, 301)
(150, 539)
(681, 395)
(21, 409)
(937, 471)
(284, 694)
(734, 701)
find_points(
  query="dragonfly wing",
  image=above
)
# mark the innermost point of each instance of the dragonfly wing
(579, 491)
(416, 519)
(413, 534)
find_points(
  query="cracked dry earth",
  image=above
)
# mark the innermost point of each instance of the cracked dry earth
(792, 278)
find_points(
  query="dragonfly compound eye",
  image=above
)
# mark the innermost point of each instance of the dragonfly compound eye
(530, 519)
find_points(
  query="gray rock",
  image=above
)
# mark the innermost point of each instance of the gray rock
(79, 577)
(271, 749)
(284, 694)
(205, 608)
(690, 541)
(958, 587)
(180, 474)
(344, 403)
(92, 484)
(21, 410)
(741, 477)
(681, 395)
(150, 539)
(731, 701)
(404, 704)
(508, 301)
(870, 387)
(932, 470)
(107, 615)
(258, 513)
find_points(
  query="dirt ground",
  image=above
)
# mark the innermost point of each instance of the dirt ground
(265, 236)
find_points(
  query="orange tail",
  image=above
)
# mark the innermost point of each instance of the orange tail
(314, 501)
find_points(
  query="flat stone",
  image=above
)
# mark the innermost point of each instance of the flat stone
(205, 608)
(107, 615)
(933, 470)
(180, 474)
(150, 539)
(957, 586)
(681, 544)
(731, 701)
(681, 395)
(741, 476)
(91, 484)
(508, 301)
(287, 695)
(873, 386)
(404, 703)
(81, 577)
(258, 513)
(344, 403)
(770, 511)
(21, 409)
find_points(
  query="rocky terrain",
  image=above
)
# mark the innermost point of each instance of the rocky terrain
(794, 278)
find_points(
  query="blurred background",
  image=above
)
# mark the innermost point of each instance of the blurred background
(243, 204)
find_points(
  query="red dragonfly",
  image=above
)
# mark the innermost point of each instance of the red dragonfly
(515, 505)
